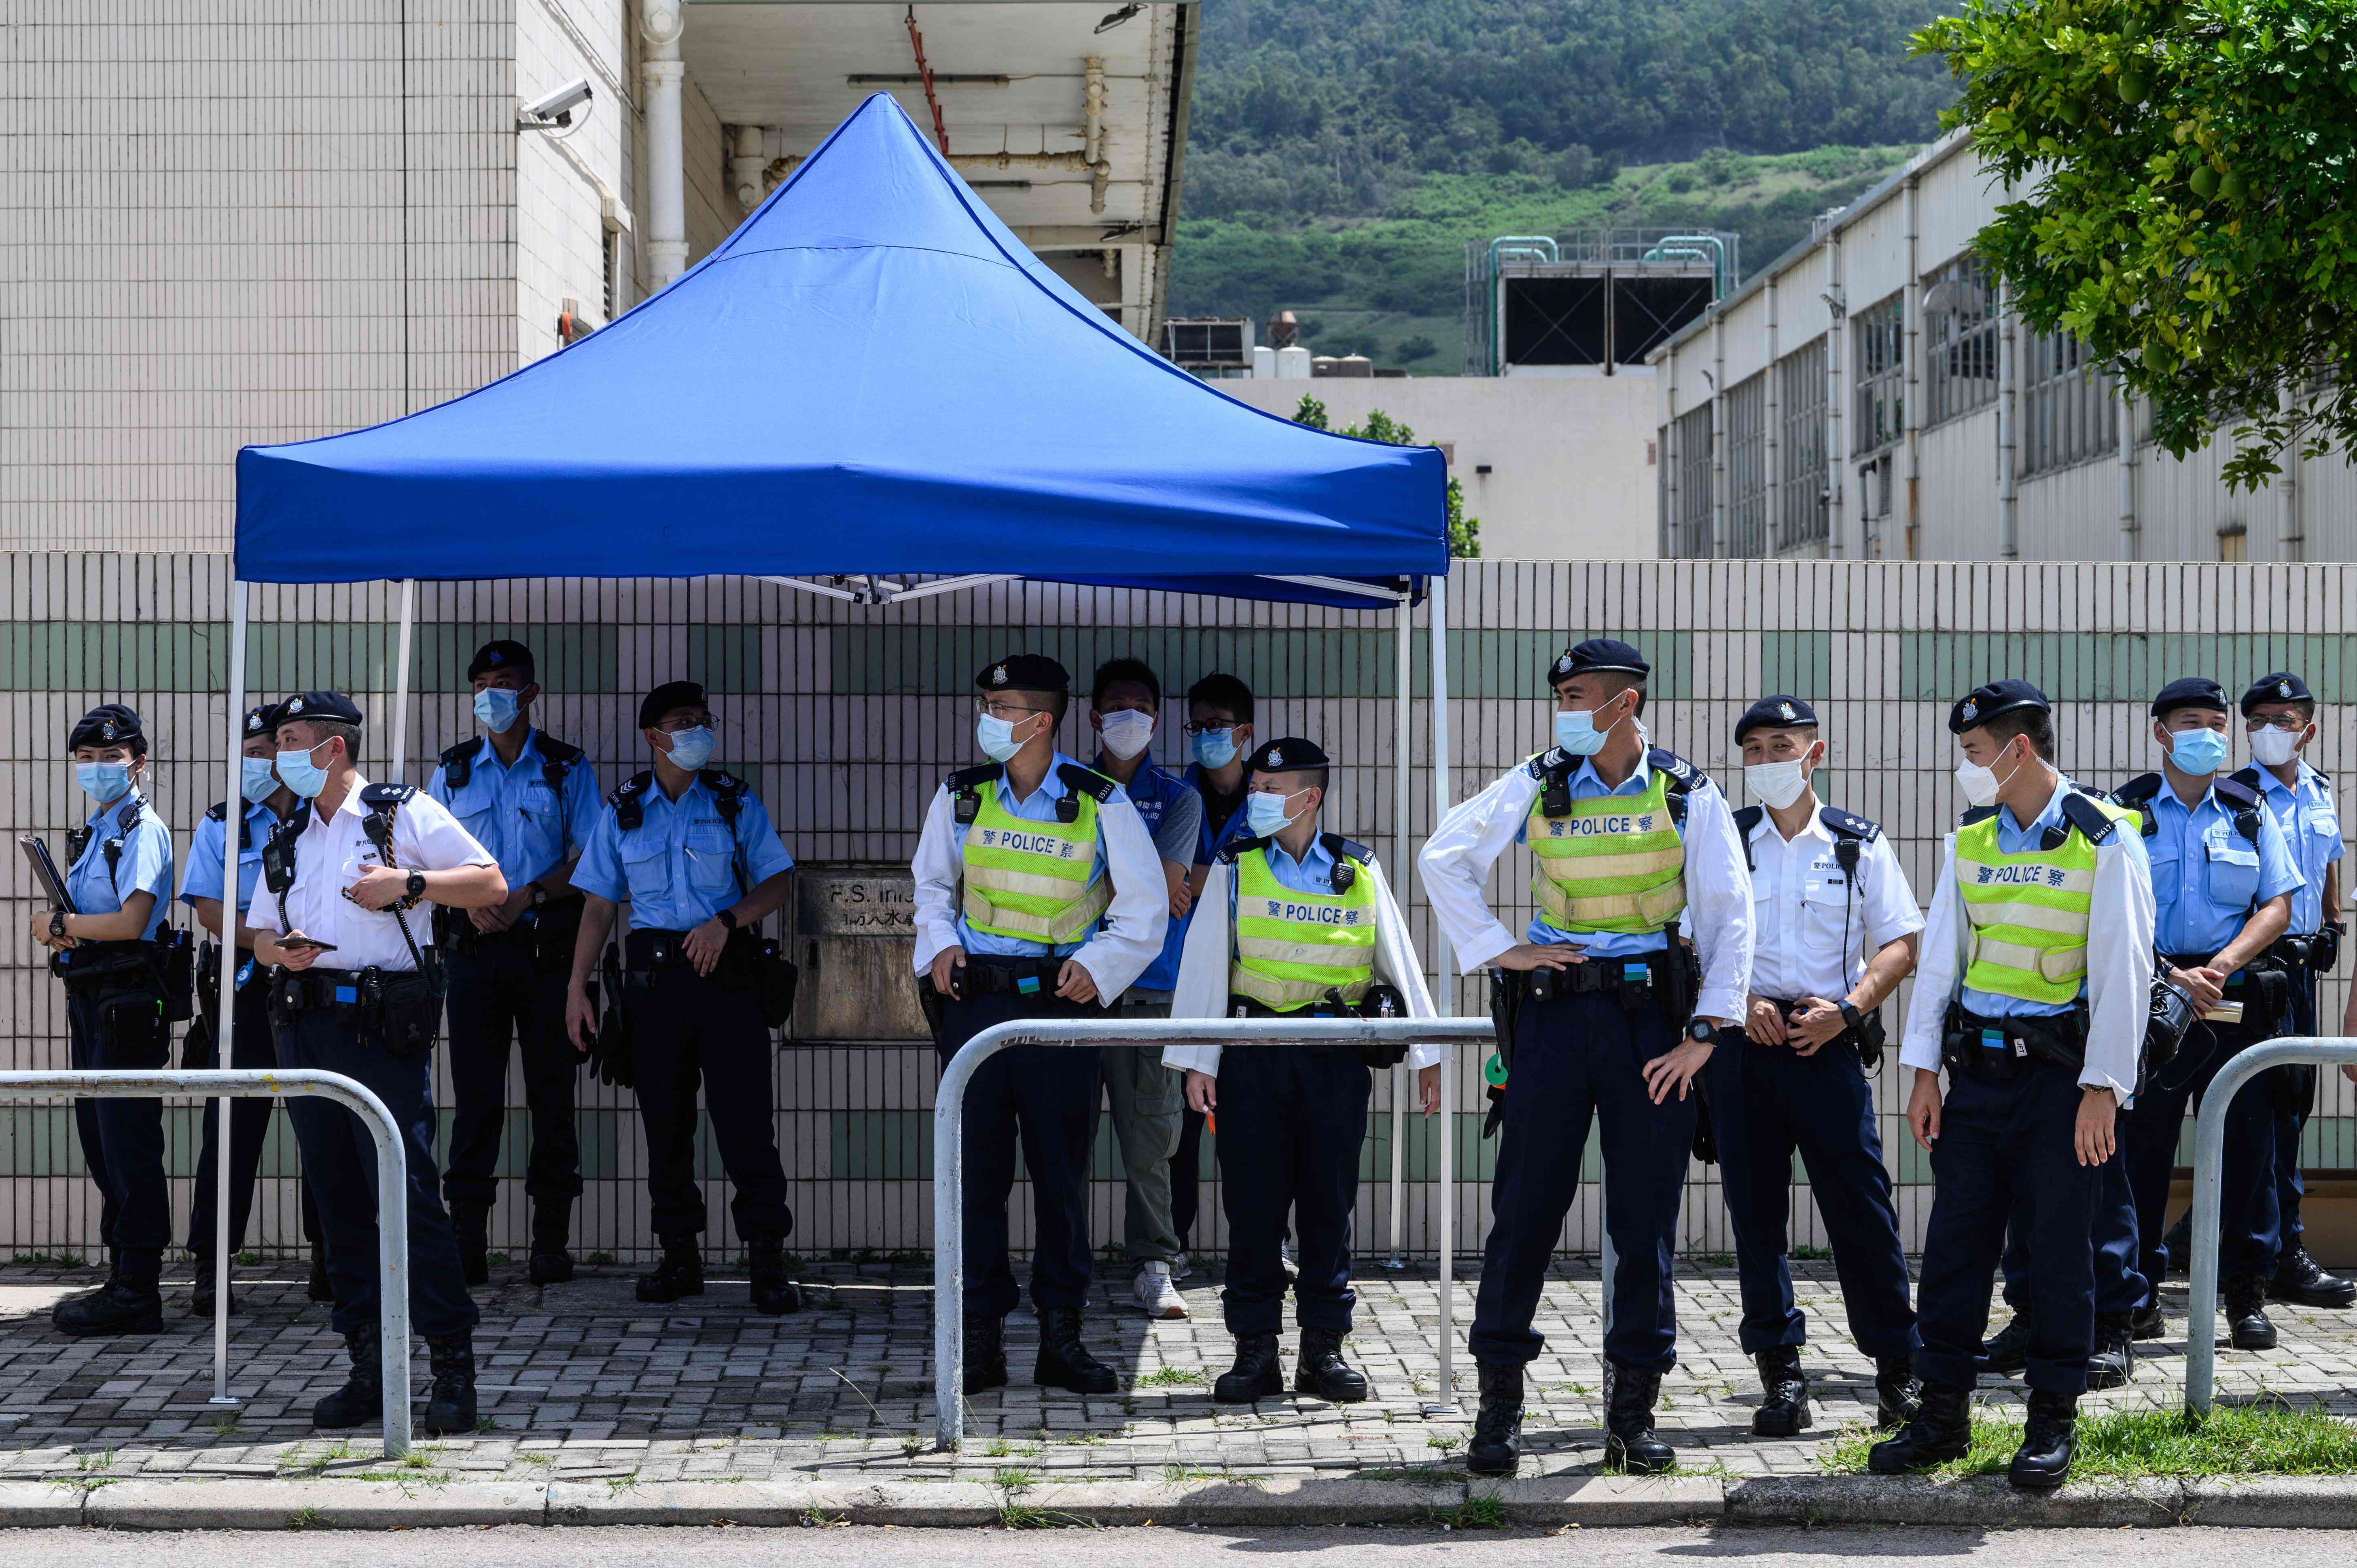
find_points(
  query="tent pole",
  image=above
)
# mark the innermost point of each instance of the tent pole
(233, 823)
(1445, 1003)
(1402, 1077)
(401, 679)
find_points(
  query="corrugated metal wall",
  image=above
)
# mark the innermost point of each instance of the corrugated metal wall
(847, 717)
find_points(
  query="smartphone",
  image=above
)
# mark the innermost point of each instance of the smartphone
(307, 944)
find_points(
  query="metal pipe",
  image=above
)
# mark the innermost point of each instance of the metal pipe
(2129, 526)
(1673, 248)
(1720, 545)
(1836, 455)
(661, 23)
(1093, 105)
(747, 165)
(392, 1175)
(234, 793)
(949, 1142)
(1910, 325)
(400, 682)
(1444, 1001)
(2009, 436)
(2209, 1178)
(1403, 864)
(1772, 456)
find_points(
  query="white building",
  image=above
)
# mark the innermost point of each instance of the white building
(1958, 433)
(232, 221)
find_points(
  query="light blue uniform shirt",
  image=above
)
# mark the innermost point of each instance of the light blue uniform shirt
(206, 852)
(1586, 786)
(2312, 826)
(2206, 876)
(512, 813)
(143, 864)
(678, 868)
(2013, 839)
(1039, 806)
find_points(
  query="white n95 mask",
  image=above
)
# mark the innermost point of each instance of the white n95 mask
(1776, 784)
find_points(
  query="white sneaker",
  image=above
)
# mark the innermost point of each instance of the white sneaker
(1156, 1296)
(1182, 1268)
(1285, 1257)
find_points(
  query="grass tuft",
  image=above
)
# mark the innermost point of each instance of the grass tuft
(1484, 1512)
(2268, 1437)
(1170, 1377)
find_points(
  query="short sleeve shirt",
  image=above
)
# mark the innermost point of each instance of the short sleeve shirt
(102, 884)
(528, 825)
(681, 865)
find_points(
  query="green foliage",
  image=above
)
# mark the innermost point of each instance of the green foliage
(1464, 532)
(2266, 1438)
(2186, 168)
(1311, 413)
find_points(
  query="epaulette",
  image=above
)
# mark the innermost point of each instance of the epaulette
(1553, 759)
(1341, 848)
(729, 792)
(217, 812)
(2249, 777)
(2235, 792)
(377, 797)
(459, 762)
(1236, 849)
(2139, 794)
(1843, 824)
(1746, 822)
(556, 751)
(1683, 777)
(1976, 814)
(1087, 780)
(2087, 817)
(635, 784)
(967, 778)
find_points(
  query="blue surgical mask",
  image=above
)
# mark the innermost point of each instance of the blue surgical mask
(302, 774)
(692, 748)
(1576, 733)
(496, 708)
(1215, 747)
(1266, 814)
(259, 782)
(2199, 752)
(103, 782)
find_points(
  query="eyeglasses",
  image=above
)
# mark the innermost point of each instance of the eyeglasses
(1010, 711)
(698, 721)
(1192, 728)
(2290, 723)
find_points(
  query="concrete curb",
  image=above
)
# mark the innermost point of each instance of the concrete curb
(2321, 1502)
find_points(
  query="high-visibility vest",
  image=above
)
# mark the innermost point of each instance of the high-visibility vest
(1033, 880)
(2030, 910)
(1291, 947)
(1614, 862)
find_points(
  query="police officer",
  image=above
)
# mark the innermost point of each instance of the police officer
(263, 802)
(1294, 923)
(1020, 861)
(531, 801)
(1608, 1020)
(1834, 925)
(2279, 715)
(1124, 706)
(692, 849)
(1218, 737)
(358, 992)
(2224, 877)
(2033, 993)
(119, 876)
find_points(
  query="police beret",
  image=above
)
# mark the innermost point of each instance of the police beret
(109, 724)
(2283, 686)
(1598, 653)
(1290, 755)
(261, 720)
(500, 654)
(1024, 673)
(1983, 703)
(2189, 691)
(669, 696)
(1779, 711)
(332, 707)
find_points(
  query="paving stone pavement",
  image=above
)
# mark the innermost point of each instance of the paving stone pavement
(581, 1382)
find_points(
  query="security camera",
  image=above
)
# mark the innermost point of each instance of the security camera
(553, 111)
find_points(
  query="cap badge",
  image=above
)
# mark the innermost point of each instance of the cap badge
(2284, 687)
(295, 705)
(1972, 708)
(106, 729)
(492, 657)
(1785, 709)
(998, 676)
(1275, 756)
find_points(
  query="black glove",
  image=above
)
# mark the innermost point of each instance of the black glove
(609, 1052)
(2324, 948)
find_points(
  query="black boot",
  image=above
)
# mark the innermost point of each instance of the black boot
(2114, 1361)
(2247, 1327)
(2301, 1282)
(472, 1221)
(1064, 1362)
(679, 1274)
(450, 1406)
(319, 1287)
(361, 1398)
(129, 1302)
(1497, 1446)
(1323, 1372)
(774, 1288)
(2146, 1323)
(986, 1353)
(1256, 1374)
(1896, 1391)
(201, 1296)
(2179, 1245)
(2008, 1348)
(1629, 1445)
(1939, 1430)
(2048, 1441)
(1785, 1410)
(552, 1228)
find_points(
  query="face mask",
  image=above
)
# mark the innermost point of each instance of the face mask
(259, 782)
(103, 782)
(2199, 752)
(1576, 733)
(2273, 748)
(303, 776)
(497, 708)
(1264, 814)
(1215, 747)
(1128, 732)
(692, 748)
(1777, 784)
(1980, 784)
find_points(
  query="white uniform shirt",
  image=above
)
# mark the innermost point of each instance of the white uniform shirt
(328, 857)
(1803, 905)
(1202, 990)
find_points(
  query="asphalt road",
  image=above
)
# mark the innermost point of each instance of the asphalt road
(1667, 1547)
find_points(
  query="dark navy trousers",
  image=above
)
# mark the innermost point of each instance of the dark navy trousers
(2120, 1284)
(1045, 1097)
(2006, 1154)
(1578, 1060)
(2291, 1122)
(1768, 1102)
(252, 1043)
(123, 1140)
(499, 993)
(2248, 1219)
(690, 1032)
(1292, 1120)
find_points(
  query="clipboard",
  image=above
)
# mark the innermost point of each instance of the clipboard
(45, 872)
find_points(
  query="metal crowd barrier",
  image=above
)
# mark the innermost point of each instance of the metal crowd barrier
(948, 1150)
(2208, 1176)
(392, 1200)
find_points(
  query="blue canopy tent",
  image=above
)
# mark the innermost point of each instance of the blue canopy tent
(872, 391)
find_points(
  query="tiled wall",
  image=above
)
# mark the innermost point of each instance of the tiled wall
(847, 717)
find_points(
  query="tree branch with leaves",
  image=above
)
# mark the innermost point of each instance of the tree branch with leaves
(1464, 532)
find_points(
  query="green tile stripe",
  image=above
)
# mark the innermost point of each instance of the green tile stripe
(124, 656)
(2118, 666)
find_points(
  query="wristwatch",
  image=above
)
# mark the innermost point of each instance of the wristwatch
(415, 886)
(1702, 1031)
(727, 918)
(1851, 1016)
(538, 894)
(57, 924)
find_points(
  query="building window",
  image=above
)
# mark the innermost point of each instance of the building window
(1959, 341)
(2069, 413)
(1747, 467)
(1881, 375)
(1686, 510)
(1801, 451)
(612, 246)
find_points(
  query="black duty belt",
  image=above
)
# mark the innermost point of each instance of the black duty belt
(992, 974)
(1646, 975)
(348, 990)
(108, 966)
(647, 952)
(2002, 1049)
(1867, 1040)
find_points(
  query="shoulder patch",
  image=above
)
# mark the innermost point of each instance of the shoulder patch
(967, 778)
(635, 785)
(2249, 777)
(1553, 759)
(462, 752)
(1230, 851)
(1683, 775)
(1747, 820)
(218, 812)
(2324, 780)
(1342, 848)
(1977, 814)
(388, 794)
(2090, 819)
(1087, 780)
(2139, 790)
(722, 782)
(1843, 824)
(557, 751)
(2236, 793)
